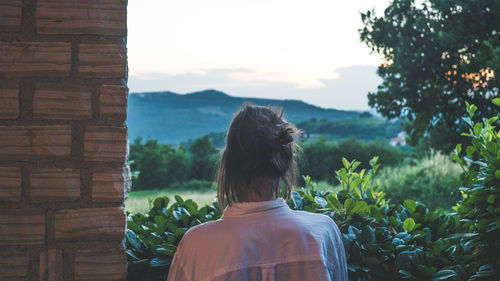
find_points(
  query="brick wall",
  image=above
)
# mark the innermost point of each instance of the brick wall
(63, 140)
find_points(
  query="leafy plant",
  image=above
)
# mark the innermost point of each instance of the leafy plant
(479, 210)
(383, 241)
(151, 240)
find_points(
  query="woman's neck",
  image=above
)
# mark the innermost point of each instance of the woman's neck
(253, 196)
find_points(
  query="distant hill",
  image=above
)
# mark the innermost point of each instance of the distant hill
(172, 118)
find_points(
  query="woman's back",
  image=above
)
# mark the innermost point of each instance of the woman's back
(259, 238)
(261, 241)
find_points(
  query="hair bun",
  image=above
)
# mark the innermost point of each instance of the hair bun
(280, 140)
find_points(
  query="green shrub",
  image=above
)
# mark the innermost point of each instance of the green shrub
(479, 211)
(382, 241)
(193, 185)
(320, 158)
(151, 239)
(433, 179)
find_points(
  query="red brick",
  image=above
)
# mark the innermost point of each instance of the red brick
(22, 227)
(90, 224)
(55, 185)
(101, 17)
(113, 102)
(108, 185)
(20, 141)
(10, 184)
(35, 58)
(106, 144)
(51, 265)
(9, 103)
(62, 102)
(108, 264)
(10, 15)
(102, 60)
(14, 267)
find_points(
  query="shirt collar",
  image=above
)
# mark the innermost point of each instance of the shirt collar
(245, 208)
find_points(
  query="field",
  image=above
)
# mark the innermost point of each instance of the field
(137, 201)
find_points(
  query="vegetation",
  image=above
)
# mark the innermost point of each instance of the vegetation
(168, 166)
(193, 165)
(362, 128)
(479, 211)
(433, 179)
(383, 240)
(437, 56)
(141, 201)
(321, 157)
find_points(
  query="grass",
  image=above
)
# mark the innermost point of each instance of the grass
(432, 180)
(137, 201)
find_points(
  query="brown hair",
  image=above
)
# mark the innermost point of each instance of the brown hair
(259, 155)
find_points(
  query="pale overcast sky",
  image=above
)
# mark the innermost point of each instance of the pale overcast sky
(308, 50)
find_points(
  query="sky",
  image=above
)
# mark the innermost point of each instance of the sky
(283, 49)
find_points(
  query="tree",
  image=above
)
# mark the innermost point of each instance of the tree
(438, 55)
(151, 166)
(204, 156)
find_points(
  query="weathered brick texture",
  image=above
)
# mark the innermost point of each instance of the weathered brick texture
(53, 101)
(51, 265)
(9, 103)
(35, 58)
(63, 139)
(10, 184)
(109, 264)
(107, 185)
(113, 102)
(10, 15)
(101, 17)
(106, 144)
(90, 224)
(21, 141)
(14, 267)
(102, 60)
(22, 227)
(55, 185)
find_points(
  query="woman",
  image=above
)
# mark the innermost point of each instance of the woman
(258, 236)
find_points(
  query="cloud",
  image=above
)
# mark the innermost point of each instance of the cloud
(346, 90)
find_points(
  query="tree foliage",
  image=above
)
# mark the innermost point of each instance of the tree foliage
(163, 165)
(437, 55)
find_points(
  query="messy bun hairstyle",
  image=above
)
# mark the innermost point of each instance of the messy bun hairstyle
(259, 155)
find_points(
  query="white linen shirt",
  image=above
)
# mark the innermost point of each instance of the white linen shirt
(261, 241)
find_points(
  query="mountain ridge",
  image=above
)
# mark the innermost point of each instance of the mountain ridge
(173, 118)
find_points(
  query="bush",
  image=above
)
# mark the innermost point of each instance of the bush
(320, 158)
(433, 179)
(151, 240)
(479, 211)
(193, 185)
(382, 240)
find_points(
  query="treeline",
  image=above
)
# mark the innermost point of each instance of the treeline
(158, 166)
(320, 156)
(366, 127)
(192, 165)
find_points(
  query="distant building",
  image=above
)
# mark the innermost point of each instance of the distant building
(400, 140)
